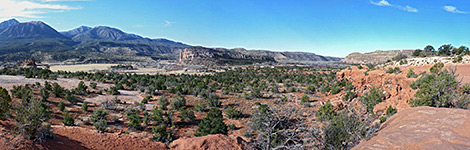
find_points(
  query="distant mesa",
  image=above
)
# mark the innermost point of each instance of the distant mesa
(376, 57)
(198, 55)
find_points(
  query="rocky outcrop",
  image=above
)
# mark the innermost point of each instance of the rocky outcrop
(209, 142)
(396, 87)
(198, 55)
(423, 128)
(376, 57)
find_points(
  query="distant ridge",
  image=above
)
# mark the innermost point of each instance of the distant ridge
(376, 57)
(8, 23)
(101, 44)
(198, 55)
(35, 29)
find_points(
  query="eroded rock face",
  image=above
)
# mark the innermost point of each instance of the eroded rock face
(423, 128)
(209, 142)
(376, 57)
(396, 87)
(197, 55)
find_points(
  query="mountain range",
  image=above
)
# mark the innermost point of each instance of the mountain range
(37, 40)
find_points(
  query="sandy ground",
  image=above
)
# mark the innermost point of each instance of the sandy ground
(7, 81)
(84, 67)
(139, 70)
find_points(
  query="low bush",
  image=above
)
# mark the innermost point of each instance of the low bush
(326, 112)
(372, 98)
(68, 120)
(233, 113)
(212, 124)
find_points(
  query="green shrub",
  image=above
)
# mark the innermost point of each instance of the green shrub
(61, 106)
(212, 124)
(390, 111)
(417, 53)
(383, 119)
(5, 104)
(345, 131)
(57, 90)
(304, 99)
(71, 98)
(233, 113)
(213, 100)
(134, 121)
(146, 100)
(93, 85)
(372, 98)
(101, 125)
(85, 106)
(178, 102)
(44, 94)
(114, 90)
(326, 112)
(437, 89)
(466, 88)
(161, 134)
(394, 70)
(187, 115)
(163, 102)
(411, 74)
(68, 120)
(200, 106)
(309, 90)
(81, 88)
(98, 114)
(349, 96)
(32, 120)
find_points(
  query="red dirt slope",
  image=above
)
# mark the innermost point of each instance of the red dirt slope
(423, 128)
(209, 142)
(72, 138)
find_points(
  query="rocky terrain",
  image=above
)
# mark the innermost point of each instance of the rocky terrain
(423, 128)
(376, 57)
(198, 55)
(420, 61)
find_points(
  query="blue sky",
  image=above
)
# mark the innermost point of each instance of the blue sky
(327, 27)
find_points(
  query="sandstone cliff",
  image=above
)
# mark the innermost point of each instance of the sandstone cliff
(376, 57)
(197, 55)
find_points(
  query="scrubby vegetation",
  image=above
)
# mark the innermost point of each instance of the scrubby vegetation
(372, 98)
(5, 104)
(437, 89)
(212, 124)
(178, 99)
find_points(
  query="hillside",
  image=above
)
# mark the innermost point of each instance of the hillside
(101, 44)
(198, 55)
(376, 57)
(84, 44)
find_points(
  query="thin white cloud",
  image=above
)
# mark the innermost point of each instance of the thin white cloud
(387, 4)
(381, 3)
(454, 9)
(29, 9)
(168, 23)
